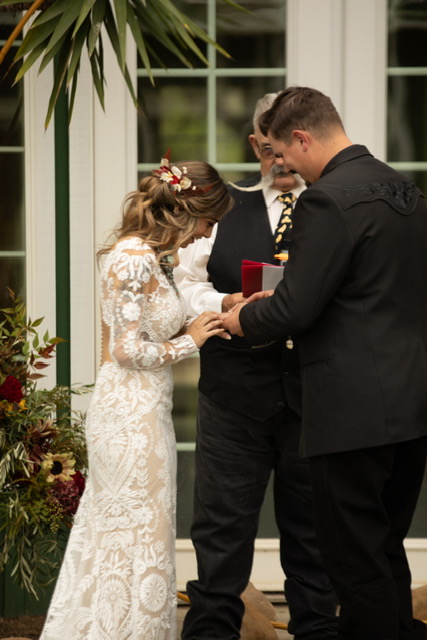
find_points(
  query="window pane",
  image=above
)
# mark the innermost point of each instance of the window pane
(11, 98)
(253, 39)
(175, 118)
(407, 33)
(185, 487)
(236, 98)
(419, 177)
(407, 119)
(407, 123)
(12, 236)
(12, 275)
(419, 523)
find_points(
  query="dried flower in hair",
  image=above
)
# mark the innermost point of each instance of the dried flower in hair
(175, 177)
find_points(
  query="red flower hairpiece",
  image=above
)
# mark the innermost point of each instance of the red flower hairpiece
(178, 179)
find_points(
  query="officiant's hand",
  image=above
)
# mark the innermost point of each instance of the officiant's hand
(205, 326)
(259, 295)
(230, 320)
(231, 299)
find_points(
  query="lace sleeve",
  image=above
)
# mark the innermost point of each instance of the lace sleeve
(143, 314)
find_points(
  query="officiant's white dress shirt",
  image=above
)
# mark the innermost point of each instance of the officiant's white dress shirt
(191, 275)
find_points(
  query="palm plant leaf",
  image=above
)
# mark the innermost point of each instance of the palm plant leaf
(65, 24)
(61, 64)
(140, 44)
(61, 31)
(120, 9)
(85, 10)
(97, 19)
(73, 91)
(98, 76)
(79, 40)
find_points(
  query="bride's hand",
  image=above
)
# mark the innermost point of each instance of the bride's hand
(205, 326)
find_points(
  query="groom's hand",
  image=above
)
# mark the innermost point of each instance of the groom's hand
(230, 320)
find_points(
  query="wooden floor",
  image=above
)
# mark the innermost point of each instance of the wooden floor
(282, 616)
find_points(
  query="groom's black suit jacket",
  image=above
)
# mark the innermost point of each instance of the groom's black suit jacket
(257, 382)
(355, 294)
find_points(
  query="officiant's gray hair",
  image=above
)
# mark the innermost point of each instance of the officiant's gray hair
(262, 105)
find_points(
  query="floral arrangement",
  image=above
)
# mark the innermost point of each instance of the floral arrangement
(177, 179)
(42, 454)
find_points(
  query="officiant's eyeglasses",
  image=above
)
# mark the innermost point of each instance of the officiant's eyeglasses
(266, 152)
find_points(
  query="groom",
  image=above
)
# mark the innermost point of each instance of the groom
(355, 293)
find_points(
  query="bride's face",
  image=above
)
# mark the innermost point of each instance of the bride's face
(203, 230)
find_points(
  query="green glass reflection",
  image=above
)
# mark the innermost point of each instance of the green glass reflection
(418, 177)
(185, 489)
(11, 97)
(186, 376)
(12, 234)
(407, 33)
(175, 118)
(236, 99)
(185, 485)
(407, 119)
(419, 523)
(255, 39)
(12, 275)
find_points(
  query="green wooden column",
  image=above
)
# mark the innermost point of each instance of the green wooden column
(62, 239)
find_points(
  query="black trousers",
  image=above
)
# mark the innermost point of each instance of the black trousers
(364, 504)
(234, 460)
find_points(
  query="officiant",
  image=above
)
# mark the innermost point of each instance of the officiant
(249, 416)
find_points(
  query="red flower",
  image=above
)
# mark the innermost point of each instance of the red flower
(11, 390)
(67, 494)
(79, 480)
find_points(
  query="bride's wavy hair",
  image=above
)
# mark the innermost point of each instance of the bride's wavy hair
(166, 219)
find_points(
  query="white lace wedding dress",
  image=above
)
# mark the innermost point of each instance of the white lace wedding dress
(117, 581)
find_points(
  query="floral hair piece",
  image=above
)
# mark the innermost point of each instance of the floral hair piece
(177, 179)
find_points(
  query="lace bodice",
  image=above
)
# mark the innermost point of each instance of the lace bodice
(140, 309)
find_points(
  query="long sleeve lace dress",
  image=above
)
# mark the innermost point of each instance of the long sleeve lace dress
(117, 581)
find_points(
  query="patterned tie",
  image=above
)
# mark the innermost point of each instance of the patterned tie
(282, 234)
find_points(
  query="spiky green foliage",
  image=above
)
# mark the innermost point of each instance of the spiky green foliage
(65, 27)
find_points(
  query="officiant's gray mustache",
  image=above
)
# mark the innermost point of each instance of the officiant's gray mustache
(268, 180)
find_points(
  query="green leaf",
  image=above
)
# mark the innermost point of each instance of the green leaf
(78, 43)
(36, 323)
(29, 61)
(159, 31)
(114, 39)
(58, 79)
(85, 10)
(139, 40)
(97, 19)
(52, 53)
(55, 10)
(120, 8)
(98, 78)
(65, 23)
(73, 93)
(34, 37)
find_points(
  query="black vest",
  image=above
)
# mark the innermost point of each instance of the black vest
(246, 379)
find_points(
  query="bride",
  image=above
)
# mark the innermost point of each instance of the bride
(117, 580)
